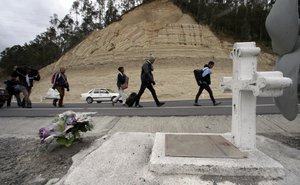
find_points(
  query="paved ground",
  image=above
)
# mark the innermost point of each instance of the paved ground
(171, 108)
(28, 127)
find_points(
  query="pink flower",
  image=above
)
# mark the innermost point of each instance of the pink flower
(44, 133)
(71, 120)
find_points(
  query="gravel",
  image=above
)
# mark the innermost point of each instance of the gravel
(24, 162)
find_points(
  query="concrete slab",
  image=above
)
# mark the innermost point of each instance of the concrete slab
(202, 146)
(256, 164)
(122, 159)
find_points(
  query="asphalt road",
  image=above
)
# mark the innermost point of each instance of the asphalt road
(171, 108)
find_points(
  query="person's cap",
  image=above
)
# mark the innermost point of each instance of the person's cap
(151, 57)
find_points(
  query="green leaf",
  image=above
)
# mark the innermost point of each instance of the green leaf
(64, 141)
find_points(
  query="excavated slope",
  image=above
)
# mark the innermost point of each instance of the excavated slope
(159, 27)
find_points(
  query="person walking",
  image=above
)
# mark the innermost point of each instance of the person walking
(207, 71)
(13, 89)
(26, 77)
(122, 84)
(147, 82)
(60, 82)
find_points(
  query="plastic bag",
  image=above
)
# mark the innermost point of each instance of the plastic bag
(124, 86)
(52, 94)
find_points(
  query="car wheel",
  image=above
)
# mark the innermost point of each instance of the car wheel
(112, 98)
(89, 100)
(99, 101)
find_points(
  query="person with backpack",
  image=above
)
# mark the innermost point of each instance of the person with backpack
(122, 84)
(60, 82)
(147, 82)
(204, 83)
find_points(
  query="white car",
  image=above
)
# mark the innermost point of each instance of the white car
(99, 95)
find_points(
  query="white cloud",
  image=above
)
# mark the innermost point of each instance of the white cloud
(22, 20)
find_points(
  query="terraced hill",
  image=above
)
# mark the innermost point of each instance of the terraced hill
(159, 27)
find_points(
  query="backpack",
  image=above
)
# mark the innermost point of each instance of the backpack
(198, 76)
(53, 78)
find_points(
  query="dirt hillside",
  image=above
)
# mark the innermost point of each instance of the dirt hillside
(159, 27)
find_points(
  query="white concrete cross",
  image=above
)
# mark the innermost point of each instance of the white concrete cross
(246, 84)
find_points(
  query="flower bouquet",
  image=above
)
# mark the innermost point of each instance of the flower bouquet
(65, 129)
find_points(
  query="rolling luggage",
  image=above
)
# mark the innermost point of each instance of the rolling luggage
(130, 100)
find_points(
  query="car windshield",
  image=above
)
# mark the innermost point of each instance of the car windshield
(100, 90)
(109, 90)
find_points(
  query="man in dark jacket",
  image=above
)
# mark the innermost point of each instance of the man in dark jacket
(60, 82)
(205, 83)
(147, 81)
(26, 77)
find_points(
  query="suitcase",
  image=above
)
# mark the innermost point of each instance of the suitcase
(131, 99)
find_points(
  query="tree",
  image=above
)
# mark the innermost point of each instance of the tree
(111, 14)
(75, 8)
(89, 14)
(126, 5)
(244, 20)
(101, 9)
(11, 57)
(66, 27)
(63, 34)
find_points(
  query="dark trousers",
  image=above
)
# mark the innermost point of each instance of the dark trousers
(10, 95)
(61, 91)
(208, 89)
(149, 86)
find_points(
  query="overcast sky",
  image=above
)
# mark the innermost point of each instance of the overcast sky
(22, 20)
